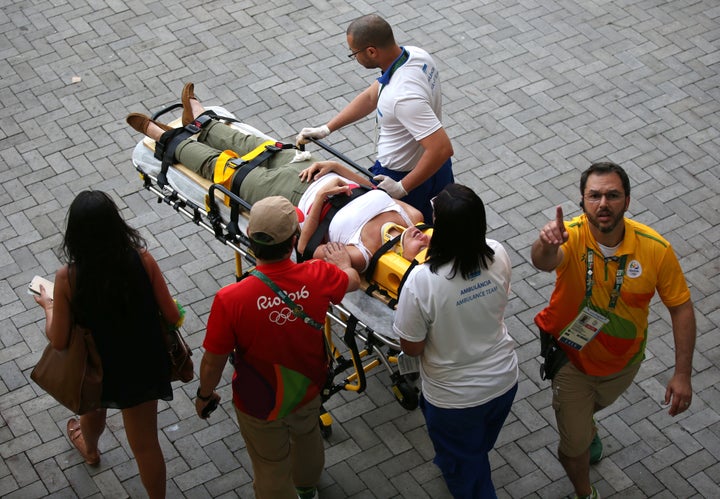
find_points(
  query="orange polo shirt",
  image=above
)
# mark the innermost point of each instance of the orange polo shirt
(651, 266)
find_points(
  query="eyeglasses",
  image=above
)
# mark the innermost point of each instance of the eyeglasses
(354, 54)
(611, 197)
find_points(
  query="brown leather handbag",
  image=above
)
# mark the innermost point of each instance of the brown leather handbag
(181, 365)
(72, 376)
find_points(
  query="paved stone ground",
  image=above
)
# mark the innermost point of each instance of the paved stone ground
(534, 92)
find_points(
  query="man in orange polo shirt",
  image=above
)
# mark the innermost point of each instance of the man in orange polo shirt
(608, 269)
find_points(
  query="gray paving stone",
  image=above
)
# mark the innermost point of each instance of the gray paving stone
(196, 475)
(532, 94)
(347, 477)
(675, 484)
(408, 487)
(615, 476)
(704, 484)
(340, 452)
(693, 464)
(528, 483)
(370, 457)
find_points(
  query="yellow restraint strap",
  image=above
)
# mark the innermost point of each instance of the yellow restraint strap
(224, 172)
(223, 175)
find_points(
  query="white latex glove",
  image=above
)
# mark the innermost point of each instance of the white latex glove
(301, 156)
(316, 133)
(392, 187)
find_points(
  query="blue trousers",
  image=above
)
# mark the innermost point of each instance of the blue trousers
(462, 439)
(420, 196)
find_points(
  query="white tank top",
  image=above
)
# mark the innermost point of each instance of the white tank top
(347, 223)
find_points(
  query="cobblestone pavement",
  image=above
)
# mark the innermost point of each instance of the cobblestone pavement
(533, 91)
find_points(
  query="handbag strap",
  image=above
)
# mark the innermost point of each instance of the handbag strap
(294, 307)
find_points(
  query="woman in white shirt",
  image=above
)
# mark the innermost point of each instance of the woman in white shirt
(451, 315)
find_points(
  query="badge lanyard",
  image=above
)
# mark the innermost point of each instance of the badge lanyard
(385, 79)
(589, 322)
(619, 277)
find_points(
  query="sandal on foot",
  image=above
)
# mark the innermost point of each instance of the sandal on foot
(76, 438)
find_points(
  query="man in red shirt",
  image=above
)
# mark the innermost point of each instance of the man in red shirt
(279, 358)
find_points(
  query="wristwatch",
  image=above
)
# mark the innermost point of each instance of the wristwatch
(204, 399)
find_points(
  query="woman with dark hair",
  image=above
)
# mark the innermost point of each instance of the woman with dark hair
(113, 286)
(450, 314)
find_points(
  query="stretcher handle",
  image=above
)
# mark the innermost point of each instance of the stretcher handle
(165, 110)
(232, 226)
(234, 197)
(341, 156)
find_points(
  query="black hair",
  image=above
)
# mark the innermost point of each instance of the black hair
(270, 251)
(603, 168)
(102, 248)
(371, 31)
(459, 232)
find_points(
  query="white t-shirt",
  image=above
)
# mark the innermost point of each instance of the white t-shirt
(409, 109)
(469, 357)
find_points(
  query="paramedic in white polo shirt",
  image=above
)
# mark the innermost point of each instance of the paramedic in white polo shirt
(413, 149)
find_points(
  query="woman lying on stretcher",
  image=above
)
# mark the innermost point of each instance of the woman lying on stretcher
(361, 224)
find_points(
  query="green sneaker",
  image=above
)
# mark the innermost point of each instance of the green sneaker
(593, 495)
(307, 492)
(596, 450)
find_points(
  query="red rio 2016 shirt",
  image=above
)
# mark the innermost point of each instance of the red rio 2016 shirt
(280, 362)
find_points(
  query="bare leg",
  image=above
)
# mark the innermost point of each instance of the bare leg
(92, 424)
(142, 434)
(578, 471)
(197, 108)
(154, 132)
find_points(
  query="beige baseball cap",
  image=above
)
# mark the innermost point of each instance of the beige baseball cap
(276, 218)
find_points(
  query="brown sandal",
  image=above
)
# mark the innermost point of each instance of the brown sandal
(76, 438)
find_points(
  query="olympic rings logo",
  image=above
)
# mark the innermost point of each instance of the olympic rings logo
(281, 317)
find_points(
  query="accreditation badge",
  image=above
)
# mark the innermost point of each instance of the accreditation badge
(407, 364)
(583, 328)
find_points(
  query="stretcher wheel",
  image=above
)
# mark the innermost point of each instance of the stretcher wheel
(325, 425)
(406, 394)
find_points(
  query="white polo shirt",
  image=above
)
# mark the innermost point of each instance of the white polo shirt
(409, 109)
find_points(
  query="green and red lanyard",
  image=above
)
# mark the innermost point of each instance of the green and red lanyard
(619, 277)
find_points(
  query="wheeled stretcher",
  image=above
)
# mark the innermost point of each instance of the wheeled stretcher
(358, 331)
